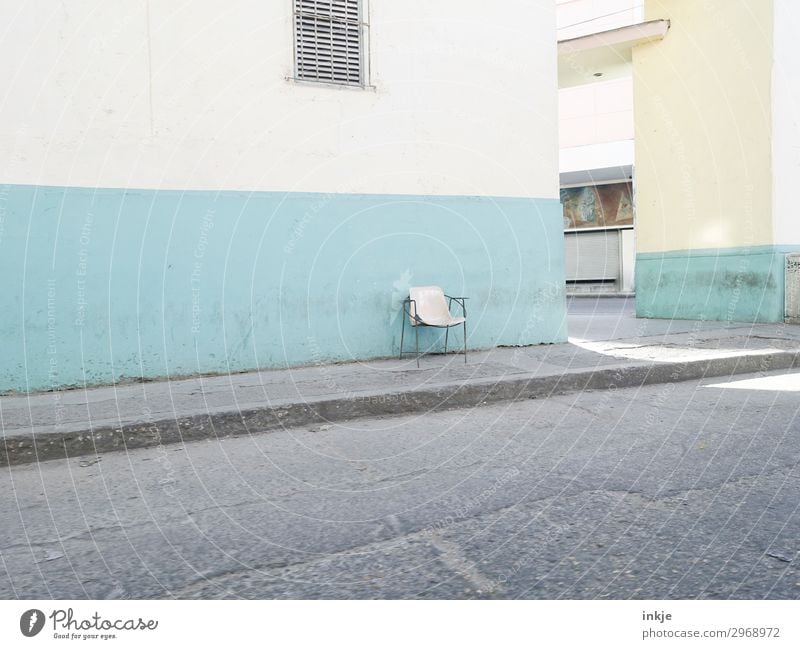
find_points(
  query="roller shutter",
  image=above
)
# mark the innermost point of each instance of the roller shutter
(592, 256)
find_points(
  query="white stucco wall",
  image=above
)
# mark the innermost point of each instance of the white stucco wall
(786, 123)
(596, 123)
(597, 156)
(195, 95)
(596, 113)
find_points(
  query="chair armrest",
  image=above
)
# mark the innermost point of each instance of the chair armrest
(459, 300)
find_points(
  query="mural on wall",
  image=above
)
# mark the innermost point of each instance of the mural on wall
(598, 206)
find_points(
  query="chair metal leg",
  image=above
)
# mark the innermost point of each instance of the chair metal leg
(465, 341)
(402, 335)
(416, 329)
(446, 334)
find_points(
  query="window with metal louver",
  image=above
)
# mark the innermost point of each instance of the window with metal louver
(328, 41)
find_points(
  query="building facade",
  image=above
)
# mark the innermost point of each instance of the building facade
(717, 141)
(596, 134)
(192, 188)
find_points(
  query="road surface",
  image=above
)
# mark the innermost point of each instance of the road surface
(670, 491)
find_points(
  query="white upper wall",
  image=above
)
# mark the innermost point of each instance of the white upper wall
(581, 17)
(596, 113)
(592, 157)
(786, 123)
(168, 94)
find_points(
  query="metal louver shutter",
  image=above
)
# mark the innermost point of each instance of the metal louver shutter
(328, 39)
(592, 256)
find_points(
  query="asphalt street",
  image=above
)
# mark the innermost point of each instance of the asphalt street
(680, 490)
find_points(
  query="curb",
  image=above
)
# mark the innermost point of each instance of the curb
(25, 449)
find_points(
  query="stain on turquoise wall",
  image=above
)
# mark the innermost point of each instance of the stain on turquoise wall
(727, 284)
(109, 284)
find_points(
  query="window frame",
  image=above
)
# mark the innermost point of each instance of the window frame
(364, 67)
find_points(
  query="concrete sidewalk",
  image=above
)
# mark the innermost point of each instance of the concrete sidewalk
(608, 348)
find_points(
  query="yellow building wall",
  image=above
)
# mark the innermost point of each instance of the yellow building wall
(703, 126)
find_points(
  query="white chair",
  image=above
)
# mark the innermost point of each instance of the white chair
(429, 306)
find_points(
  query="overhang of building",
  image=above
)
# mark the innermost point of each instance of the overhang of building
(605, 55)
(620, 38)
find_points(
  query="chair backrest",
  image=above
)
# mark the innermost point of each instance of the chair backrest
(430, 302)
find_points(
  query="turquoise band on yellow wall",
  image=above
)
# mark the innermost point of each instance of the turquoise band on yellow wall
(728, 284)
(102, 285)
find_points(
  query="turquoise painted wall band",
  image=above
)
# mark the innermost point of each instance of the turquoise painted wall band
(731, 284)
(102, 285)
